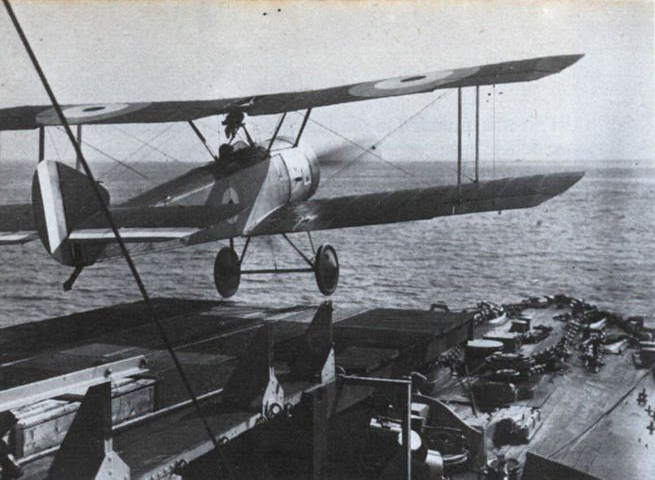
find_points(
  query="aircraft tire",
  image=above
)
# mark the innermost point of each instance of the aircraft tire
(326, 269)
(227, 272)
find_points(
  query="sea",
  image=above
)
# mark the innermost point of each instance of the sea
(595, 241)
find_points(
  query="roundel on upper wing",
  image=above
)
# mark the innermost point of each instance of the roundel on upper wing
(409, 84)
(89, 113)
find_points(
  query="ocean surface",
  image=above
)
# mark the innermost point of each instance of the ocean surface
(594, 241)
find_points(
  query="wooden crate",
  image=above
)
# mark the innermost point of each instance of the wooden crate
(44, 424)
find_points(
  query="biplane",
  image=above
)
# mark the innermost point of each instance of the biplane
(250, 188)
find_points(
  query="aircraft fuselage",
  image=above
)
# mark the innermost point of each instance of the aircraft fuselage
(251, 176)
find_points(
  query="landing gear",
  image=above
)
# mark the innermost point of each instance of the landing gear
(326, 269)
(324, 266)
(227, 272)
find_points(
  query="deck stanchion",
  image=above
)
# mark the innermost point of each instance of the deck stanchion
(253, 384)
(313, 357)
(87, 450)
(403, 394)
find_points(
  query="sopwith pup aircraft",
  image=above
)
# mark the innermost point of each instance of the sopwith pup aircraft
(251, 188)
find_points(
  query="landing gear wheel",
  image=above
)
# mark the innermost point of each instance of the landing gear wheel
(227, 272)
(326, 269)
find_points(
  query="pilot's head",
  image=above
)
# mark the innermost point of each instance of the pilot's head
(225, 152)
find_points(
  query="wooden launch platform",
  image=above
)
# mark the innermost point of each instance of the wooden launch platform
(211, 339)
(266, 376)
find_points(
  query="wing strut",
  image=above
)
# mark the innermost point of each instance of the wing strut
(459, 144)
(302, 127)
(477, 133)
(41, 143)
(277, 130)
(78, 162)
(202, 139)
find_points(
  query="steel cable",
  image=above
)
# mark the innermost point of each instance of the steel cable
(153, 316)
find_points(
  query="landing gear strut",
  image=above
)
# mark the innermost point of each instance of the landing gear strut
(227, 268)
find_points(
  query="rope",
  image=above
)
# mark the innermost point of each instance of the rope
(137, 278)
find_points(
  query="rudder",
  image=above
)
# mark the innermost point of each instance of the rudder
(62, 197)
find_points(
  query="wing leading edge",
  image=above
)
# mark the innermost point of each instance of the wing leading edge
(29, 117)
(415, 204)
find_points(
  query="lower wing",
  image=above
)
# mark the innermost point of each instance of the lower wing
(17, 224)
(415, 204)
(158, 228)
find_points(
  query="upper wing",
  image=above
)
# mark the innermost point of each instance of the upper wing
(27, 117)
(415, 204)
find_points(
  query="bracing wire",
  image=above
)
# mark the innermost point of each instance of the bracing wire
(137, 278)
(376, 144)
(141, 158)
(149, 144)
(96, 149)
(370, 150)
(54, 145)
(108, 172)
(365, 150)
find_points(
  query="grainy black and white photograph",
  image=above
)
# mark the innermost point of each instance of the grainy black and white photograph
(327, 239)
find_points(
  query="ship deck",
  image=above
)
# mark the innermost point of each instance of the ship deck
(592, 425)
(210, 338)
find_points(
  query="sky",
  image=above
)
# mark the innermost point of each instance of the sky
(601, 108)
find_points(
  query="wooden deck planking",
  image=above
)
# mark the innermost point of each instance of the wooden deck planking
(573, 401)
(208, 338)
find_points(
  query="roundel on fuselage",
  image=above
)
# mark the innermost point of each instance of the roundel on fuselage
(230, 197)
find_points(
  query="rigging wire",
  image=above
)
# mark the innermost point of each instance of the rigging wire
(141, 147)
(155, 182)
(149, 144)
(364, 149)
(370, 149)
(54, 145)
(141, 286)
(93, 147)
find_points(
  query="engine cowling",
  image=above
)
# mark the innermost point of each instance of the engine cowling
(302, 166)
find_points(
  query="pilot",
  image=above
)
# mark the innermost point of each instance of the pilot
(225, 152)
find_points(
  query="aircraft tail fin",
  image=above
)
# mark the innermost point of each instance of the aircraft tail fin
(61, 198)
